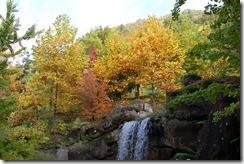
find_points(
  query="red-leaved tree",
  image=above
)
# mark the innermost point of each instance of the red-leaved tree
(97, 103)
(92, 54)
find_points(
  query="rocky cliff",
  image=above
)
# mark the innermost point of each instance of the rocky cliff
(184, 132)
(187, 131)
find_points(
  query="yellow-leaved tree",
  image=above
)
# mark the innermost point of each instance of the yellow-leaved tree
(115, 68)
(59, 65)
(156, 55)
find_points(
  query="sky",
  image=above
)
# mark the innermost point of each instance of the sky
(88, 14)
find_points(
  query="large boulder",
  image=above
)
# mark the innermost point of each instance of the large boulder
(181, 133)
(118, 116)
(114, 120)
(78, 151)
(92, 130)
(97, 149)
(103, 147)
(197, 111)
(62, 154)
(157, 150)
(111, 139)
(140, 105)
(220, 141)
(148, 108)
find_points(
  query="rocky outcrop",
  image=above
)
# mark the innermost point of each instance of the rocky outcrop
(99, 141)
(102, 147)
(183, 132)
(118, 116)
(96, 149)
(191, 132)
(157, 149)
(142, 106)
(62, 154)
(196, 111)
(220, 140)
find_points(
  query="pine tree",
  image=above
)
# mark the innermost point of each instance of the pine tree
(9, 26)
(10, 46)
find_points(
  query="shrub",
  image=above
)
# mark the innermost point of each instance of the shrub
(22, 142)
(60, 127)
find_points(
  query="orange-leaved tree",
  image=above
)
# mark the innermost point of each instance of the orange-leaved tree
(116, 68)
(96, 102)
(156, 55)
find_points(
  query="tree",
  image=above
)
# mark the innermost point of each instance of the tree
(188, 30)
(59, 63)
(116, 69)
(156, 56)
(97, 103)
(223, 45)
(224, 40)
(12, 148)
(9, 38)
(96, 39)
(194, 27)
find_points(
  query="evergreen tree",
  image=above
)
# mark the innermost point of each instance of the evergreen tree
(10, 46)
(9, 26)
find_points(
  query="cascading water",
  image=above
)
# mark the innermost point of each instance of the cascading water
(133, 140)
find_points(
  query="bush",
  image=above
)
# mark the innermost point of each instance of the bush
(185, 153)
(22, 142)
(168, 115)
(77, 123)
(60, 127)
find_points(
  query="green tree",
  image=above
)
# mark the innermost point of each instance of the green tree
(223, 44)
(192, 28)
(9, 26)
(10, 46)
(224, 40)
(96, 39)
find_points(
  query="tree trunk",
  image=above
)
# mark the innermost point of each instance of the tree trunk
(36, 111)
(137, 93)
(153, 95)
(51, 99)
(56, 99)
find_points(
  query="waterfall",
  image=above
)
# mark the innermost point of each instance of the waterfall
(133, 140)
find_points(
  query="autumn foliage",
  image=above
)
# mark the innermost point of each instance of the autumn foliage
(96, 103)
(114, 67)
(150, 56)
(157, 55)
(58, 62)
(69, 81)
(92, 54)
